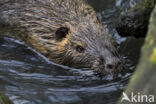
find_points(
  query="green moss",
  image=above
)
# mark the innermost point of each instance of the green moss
(153, 56)
(149, 41)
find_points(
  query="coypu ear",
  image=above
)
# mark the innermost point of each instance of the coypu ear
(61, 33)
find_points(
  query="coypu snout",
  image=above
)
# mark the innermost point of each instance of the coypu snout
(108, 63)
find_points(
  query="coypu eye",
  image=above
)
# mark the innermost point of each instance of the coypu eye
(61, 33)
(80, 49)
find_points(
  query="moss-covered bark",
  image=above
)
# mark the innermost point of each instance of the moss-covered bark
(134, 22)
(4, 99)
(144, 79)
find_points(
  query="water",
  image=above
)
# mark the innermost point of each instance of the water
(28, 78)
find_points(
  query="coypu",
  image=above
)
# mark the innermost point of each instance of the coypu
(67, 32)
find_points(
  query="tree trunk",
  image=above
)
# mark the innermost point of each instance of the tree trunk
(143, 82)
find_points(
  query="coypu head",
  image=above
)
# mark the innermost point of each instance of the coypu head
(82, 42)
(67, 32)
(87, 45)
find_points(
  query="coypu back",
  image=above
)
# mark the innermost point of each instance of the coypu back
(67, 32)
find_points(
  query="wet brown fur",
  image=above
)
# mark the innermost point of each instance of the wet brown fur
(36, 21)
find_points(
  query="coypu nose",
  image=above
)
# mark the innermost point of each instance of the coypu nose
(113, 65)
(110, 66)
